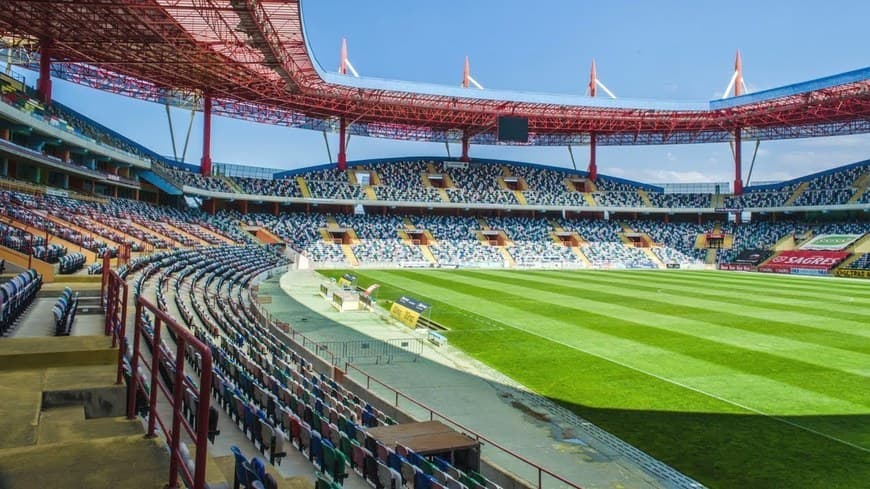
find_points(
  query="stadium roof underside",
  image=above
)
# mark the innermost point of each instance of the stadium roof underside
(252, 58)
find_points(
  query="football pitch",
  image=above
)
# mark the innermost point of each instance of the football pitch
(737, 380)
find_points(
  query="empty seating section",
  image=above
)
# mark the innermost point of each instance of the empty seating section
(192, 179)
(862, 263)
(618, 198)
(21, 208)
(65, 119)
(269, 391)
(302, 233)
(617, 255)
(457, 243)
(678, 239)
(64, 312)
(284, 187)
(477, 183)
(71, 263)
(15, 295)
(379, 240)
(678, 200)
(832, 188)
(533, 242)
(761, 198)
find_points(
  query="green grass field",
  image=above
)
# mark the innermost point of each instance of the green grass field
(737, 380)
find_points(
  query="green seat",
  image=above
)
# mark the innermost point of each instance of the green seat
(340, 470)
(328, 460)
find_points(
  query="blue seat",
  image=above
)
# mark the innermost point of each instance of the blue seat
(240, 476)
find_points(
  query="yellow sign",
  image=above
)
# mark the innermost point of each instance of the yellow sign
(405, 315)
(853, 273)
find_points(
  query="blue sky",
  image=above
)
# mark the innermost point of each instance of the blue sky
(660, 50)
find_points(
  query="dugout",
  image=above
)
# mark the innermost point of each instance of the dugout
(432, 439)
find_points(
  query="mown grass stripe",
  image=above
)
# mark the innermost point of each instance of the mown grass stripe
(667, 332)
(720, 447)
(833, 286)
(849, 307)
(693, 358)
(823, 331)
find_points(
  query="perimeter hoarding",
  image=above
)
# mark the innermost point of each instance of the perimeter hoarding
(803, 261)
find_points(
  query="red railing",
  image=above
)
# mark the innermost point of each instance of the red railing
(198, 433)
(540, 471)
(115, 304)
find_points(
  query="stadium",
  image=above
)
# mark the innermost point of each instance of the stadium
(416, 321)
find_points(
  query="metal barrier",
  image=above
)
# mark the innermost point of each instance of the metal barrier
(378, 350)
(115, 304)
(433, 414)
(198, 433)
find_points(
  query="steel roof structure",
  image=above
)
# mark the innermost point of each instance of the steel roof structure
(252, 58)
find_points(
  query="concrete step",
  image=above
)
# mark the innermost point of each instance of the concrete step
(118, 462)
(50, 352)
(67, 424)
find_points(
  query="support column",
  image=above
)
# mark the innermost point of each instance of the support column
(592, 170)
(43, 84)
(465, 146)
(738, 171)
(244, 207)
(593, 166)
(738, 91)
(342, 144)
(5, 133)
(275, 208)
(205, 163)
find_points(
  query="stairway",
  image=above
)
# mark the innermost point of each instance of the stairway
(349, 254)
(64, 425)
(587, 196)
(577, 251)
(717, 201)
(232, 184)
(521, 198)
(797, 193)
(508, 258)
(303, 187)
(427, 253)
(370, 192)
(408, 224)
(90, 256)
(653, 257)
(484, 225)
(644, 197)
(711, 256)
(445, 197)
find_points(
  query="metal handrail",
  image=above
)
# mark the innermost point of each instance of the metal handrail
(199, 433)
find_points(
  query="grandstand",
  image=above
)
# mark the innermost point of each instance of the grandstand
(190, 310)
